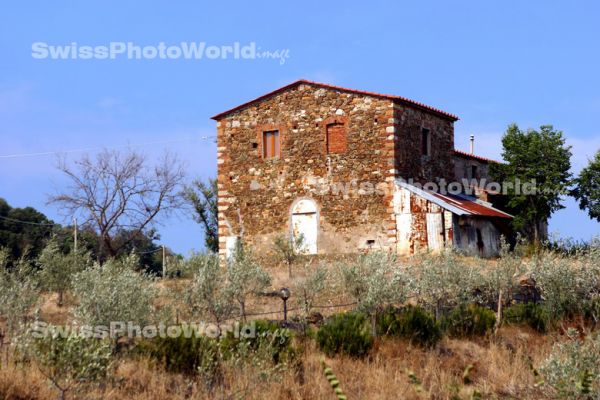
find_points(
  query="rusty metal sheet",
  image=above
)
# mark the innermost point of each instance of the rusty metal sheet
(435, 232)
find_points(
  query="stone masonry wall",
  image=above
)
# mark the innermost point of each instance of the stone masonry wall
(352, 188)
(409, 161)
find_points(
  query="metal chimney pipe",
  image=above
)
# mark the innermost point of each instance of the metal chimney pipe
(472, 144)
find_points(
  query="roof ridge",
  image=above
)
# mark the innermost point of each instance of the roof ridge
(404, 100)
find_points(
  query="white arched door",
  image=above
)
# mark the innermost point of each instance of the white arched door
(305, 222)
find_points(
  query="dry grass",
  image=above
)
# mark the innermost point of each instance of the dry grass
(500, 371)
(500, 366)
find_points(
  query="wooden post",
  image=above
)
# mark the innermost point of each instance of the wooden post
(75, 234)
(164, 262)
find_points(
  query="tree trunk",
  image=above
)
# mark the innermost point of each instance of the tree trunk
(499, 312)
(374, 324)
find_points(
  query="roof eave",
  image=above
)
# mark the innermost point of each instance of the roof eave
(396, 99)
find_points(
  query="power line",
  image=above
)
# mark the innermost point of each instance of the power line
(49, 153)
(27, 222)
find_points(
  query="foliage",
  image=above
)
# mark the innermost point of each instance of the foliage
(23, 239)
(18, 294)
(346, 333)
(565, 286)
(412, 323)
(269, 340)
(375, 283)
(531, 314)
(57, 269)
(500, 282)
(288, 249)
(572, 370)
(469, 321)
(67, 361)
(120, 194)
(587, 188)
(114, 292)
(309, 287)
(207, 295)
(539, 156)
(202, 197)
(187, 354)
(442, 282)
(245, 277)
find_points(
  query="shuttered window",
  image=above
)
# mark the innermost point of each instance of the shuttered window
(336, 138)
(271, 144)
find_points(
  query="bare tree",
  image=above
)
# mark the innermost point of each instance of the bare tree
(120, 192)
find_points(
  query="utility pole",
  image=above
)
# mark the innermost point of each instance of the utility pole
(75, 234)
(164, 263)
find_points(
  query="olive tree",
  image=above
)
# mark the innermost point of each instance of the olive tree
(375, 282)
(114, 292)
(18, 294)
(57, 269)
(68, 362)
(288, 249)
(208, 296)
(309, 287)
(440, 282)
(245, 277)
(499, 282)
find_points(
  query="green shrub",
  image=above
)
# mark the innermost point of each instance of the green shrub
(572, 371)
(347, 334)
(530, 314)
(270, 340)
(68, 362)
(469, 321)
(186, 354)
(411, 323)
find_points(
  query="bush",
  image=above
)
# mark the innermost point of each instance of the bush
(270, 340)
(67, 361)
(347, 334)
(469, 321)
(412, 323)
(442, 282)
(530, 314)
(114, 292)
(191, 355)
(18, 294)
(572, 370)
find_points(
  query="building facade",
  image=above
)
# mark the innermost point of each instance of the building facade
(343, 168)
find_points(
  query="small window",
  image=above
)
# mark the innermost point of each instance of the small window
(473, 172)
(425, 142)
(271, 145)
(336, 138)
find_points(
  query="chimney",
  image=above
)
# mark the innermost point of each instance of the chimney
(472, 144)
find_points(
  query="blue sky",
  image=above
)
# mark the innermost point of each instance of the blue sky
(490, 62)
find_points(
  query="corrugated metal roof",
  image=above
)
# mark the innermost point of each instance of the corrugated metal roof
(399, 99)
(459, 205)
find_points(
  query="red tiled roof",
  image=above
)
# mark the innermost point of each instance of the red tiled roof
(399, 99)
(471, 207)
(473, 156)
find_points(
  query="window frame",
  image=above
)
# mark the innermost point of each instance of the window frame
(341, 120)
(261, 130)
(273, 136)
(425, 142)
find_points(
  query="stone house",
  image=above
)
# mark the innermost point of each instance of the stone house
(348, 170)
